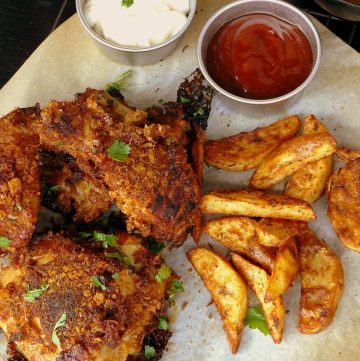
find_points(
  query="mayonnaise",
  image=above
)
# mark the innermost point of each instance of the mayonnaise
(143, 24)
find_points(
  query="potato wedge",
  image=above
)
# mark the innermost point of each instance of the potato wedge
(253, 203)
(290, 156)
(310, 181)
(247, 150)
(286, 267)
(322, 283)
(347, 154)
(274, 232)
(227, 289)
(258, 280)
(344, 204)
(238, 234)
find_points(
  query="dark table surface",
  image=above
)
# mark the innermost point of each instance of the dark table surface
(24, 24)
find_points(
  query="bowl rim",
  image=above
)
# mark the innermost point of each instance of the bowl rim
(94, 35)
(281, 98)
(347, 3)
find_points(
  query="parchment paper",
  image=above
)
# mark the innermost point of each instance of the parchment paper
(68, 61)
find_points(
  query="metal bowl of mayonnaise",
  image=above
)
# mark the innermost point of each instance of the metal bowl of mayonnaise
(136, 32)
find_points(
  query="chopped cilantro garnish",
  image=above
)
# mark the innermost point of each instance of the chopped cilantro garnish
(153, 246)
(255, 319)
(115, 87)
(108, 240)
(127, 3)
(149, 352)
(19, 207)
(163, 274)
(32, 295)
(119, 151)
(175, 287)
(184, 100)
(115, 276)
(85, 235)
(5, 242)
(97, 283)
(163, 323)
(60, 323)
(200, 111)
(161, 101)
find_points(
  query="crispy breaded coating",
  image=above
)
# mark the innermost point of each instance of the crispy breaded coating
(19, 178)
(76, 193)
(105, 319)
(155, 186)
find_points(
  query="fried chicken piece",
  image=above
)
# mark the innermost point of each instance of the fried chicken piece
(19, 178)
(106, 308)
(70, 190)
(155, 186)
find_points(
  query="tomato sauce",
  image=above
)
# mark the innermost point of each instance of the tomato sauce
(259, 56)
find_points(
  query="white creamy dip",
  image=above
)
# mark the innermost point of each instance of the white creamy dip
(145, 23)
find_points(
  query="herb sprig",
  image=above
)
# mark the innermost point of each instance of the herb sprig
(32, 294)
(5, 242)
(61, 322)
(255, 319)
(119, 151)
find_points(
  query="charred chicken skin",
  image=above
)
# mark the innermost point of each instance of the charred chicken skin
(106, 308)
(155, 187)
(19, 178)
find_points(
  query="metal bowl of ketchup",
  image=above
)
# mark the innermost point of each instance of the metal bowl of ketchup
(259, 54)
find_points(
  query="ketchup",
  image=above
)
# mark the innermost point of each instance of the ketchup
(259, 56)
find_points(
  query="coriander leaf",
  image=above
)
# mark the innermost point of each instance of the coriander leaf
(255, 319)
(127, 3)
(163, 323)
(115, 87)
(200, 111)
(184, 100)
(97, 283)
(60, 323)
(109, 240)
(175, 287)
(53, 188)
(119, 151)
(5, 242)
(85, 235)
(149, 352)
(163, 274)
(116, 276)
(19, 207)
(120, 257)
(32, 295)
(161, 101)
(153, 246)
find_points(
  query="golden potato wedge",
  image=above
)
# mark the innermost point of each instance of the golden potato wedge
(286, 267)
(247, 150)
(274, 232)
(347, 154)
(290, 156)
(310, 181)
(227, 289)
(258, 280)
(322, 283)
(238, 234)
(252, 203)
(344, 204)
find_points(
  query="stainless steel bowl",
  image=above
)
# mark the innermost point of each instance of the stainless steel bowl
(341, 8)
(279, 9)
(135, 56)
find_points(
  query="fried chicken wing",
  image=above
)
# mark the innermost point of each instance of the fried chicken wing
(69, 189)
(155, 186)
(19, 178)
(59, 301)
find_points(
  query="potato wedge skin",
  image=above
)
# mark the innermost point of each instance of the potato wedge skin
(227, 289)
(347, 154)
(344, 204)
(252, 203)
(322, 283)
(310, 181)
(257, 279)
(247, 150)
(274, 232)
(290, 156)
(286, 267)
(238, 234)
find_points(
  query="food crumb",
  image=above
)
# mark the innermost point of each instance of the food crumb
(184, 304)
(210, 315)
(210, 303)
(184, 48)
